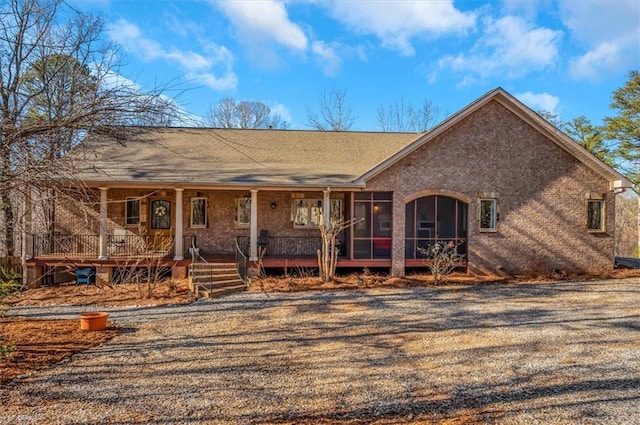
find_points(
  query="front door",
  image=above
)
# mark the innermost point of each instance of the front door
(160, 224)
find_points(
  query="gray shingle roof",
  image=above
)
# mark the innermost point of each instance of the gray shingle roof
(201, 156)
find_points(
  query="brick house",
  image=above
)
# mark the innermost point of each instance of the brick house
(515, 194)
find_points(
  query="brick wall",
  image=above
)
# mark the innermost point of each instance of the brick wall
(218, 237)
(540, 188)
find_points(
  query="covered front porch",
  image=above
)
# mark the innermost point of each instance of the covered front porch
(253, 229)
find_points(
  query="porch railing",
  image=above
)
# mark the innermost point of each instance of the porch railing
(187, 243)
(118, 246)
(241, 261)
(285, 246)
(59, 245)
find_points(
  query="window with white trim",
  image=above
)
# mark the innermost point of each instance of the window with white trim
(308, 212)
(244, 212)
(595, 215)
(132, 213)
(488, 210)
(198, 212)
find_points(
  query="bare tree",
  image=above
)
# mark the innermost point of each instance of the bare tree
(401, 116)
(334, 113)
(58, 84)
(328, 252)
(228, 113)
(143, 263)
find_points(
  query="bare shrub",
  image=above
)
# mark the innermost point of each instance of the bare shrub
(146, 268)
(442, 258)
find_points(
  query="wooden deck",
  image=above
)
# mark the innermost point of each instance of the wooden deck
(268, 263)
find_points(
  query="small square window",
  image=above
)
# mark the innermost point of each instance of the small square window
(488, 215)
(595, 215)
(244, 212)
(198, 212)
(132, 212)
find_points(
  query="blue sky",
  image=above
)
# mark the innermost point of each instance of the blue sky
(566, 57)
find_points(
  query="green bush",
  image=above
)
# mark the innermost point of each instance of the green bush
(6, 349)
(10, 282)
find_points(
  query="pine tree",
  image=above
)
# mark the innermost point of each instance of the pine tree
(625, 127)
(590, 137)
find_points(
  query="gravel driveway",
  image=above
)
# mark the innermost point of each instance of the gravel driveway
(561, 353)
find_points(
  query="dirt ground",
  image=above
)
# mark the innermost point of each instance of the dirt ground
(40, 343)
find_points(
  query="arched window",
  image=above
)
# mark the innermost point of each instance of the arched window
(435, 219)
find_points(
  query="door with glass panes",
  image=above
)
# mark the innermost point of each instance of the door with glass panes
(160, 222)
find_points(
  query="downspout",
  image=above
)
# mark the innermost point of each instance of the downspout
(618, 190)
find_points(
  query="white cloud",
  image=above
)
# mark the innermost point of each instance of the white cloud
(256, 21)
(227, 81)
(510, 47)
(602, 58)
(327, 56)
(596, 21)
(539, 101)
(198, 65)
(179, 24)
(130, 37)
(609, 32)
(113, 80)
(282, 111)
(396, 23)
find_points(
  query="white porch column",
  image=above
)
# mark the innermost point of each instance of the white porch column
(253, 237)
(102, 254)
(326, 207)
(178, 249)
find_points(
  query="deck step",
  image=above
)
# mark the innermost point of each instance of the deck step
(216, 278)
(207, 266)
(206, 272)
(218, 292)
(218, 283)
(213, 280)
